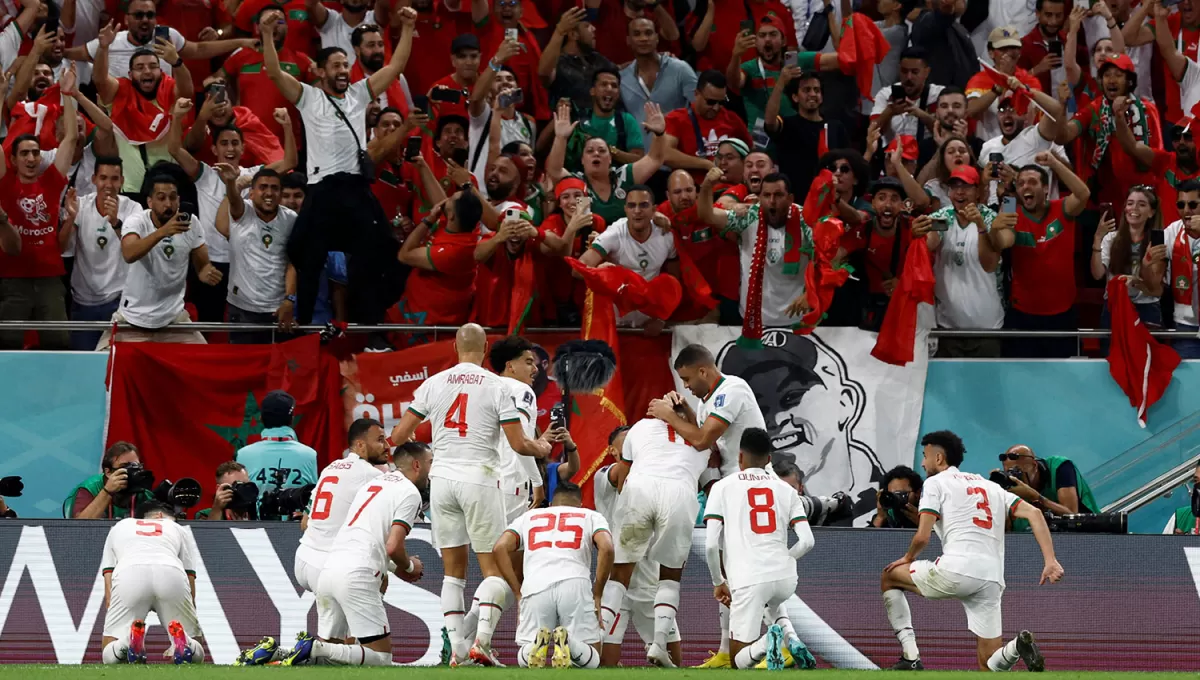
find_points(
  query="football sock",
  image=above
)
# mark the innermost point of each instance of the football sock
(724, 648)
(523, 653)
(751, 654)
(583, 655)
(900, 616)
(493, 596)
(197, 650)
(779, 616)
(453, 614)
(610, 603)
(349, 655)
(471, 620)
(115, 651)
(1004, 658)
(666, 604)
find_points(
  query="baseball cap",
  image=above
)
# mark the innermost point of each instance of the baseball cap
(277, 408)
(769, 19)
(1004, 36)
(965, 173)
(1122, 62)
(887, 183)
(908, 149)
(465, 41)
(1183, 125)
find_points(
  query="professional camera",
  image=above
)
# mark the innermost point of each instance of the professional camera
(11, 487)
(182, 494)
(1005, 477)
(137, 479)
(823, 511)
(893, 500)
(245, 495)
(284, 502)
(1102, 523)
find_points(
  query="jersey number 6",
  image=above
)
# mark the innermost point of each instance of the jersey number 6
(322, 499)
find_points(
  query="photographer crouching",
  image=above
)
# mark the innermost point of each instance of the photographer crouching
(114, 493)
(236, 496)
(1051, 484)
(898, 499)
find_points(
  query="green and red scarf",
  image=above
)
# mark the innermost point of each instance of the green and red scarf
(1140, 125)
(1182, 265)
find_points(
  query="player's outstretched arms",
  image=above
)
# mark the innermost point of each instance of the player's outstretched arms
(502, 553)
(1053, 571)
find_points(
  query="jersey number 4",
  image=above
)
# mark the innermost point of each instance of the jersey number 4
(762, 510)
(456, 417)
(564, 525)
(986, 521)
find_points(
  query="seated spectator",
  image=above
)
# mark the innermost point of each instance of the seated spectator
(1036, 55)
(803, 136)
(492, 28)
(158, 243)
(654, 76)
(938, 30)
(260, 145)
(31, 269)
(1126, 251)
(106, 495)
(99, 272)
(602, 120)
(567, 233)
(336, 28)
(951, 114)
(909, 110)
(1043, 258)
(441, 288)
(1182, 239)
(228, 473)
(570, 60)
(904, 485)
(968, 241)
(983, 90)
(1184, 521)
(1019, 143)
(1052, 484)
(877, 251)
(695, 132)
(954, 153)
(608, 187)
(464, 58)
(716, 258)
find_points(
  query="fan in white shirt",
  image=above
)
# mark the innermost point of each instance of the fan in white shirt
(969, 514)
(470, 409)
(14, 33)
(382, 515)
(335, 28)
(1020, 143)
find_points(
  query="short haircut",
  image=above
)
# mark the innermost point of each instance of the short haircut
(612, 436)
(606, 70)
(779, 177)
(229, 466)
(216, 132)
(640, 187)
(296, 180)
(793, 87)
(115, 451)
(915, 52)
(356, 36)
(152, 506)
(445, 121)
(694, 354)
(755, 443)
(513, 148)
(410, 450)
(269, 173)
(325, 53)
(141, 52)
(163, 178)
(1041, 172)
(949, 442)
(1037, 7)
(389, 109)
(951, 90)
(786, 468)
(1187, 186)
(903, 472)
(569, 488)
(22, 139)
(359, 429)
(111, 161)
(468, 210)
(711, 77)
(506, 350)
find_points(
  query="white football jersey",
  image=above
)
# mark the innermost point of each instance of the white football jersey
(655, 450)
(330, 502)
(362, 541)
(757, 510)
(733, 402)
(133, 542)
(558, 544)
(466, 405)
(971, 512)
(519, 469)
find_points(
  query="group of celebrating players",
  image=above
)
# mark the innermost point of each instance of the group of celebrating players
(485, 445)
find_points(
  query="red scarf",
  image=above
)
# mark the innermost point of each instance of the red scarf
(656, 298)
(36, 117)
(1182, 264)
(897, 335)
(1141, 365)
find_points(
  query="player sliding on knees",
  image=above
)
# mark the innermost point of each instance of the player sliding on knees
(968, 513)
(557, 591)
(355, 574)
(754, 510)
(148, 565)
(470, 409)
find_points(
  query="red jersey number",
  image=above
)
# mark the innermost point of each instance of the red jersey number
(986, 521)
(323, 499)
(152, 528)
(564, 524)
(456, 417)
(762, 510)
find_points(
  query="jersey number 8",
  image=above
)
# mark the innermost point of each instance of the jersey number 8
(762, 510)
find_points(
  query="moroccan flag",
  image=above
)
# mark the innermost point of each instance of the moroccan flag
(261, 146)
(1141, 365)
(897, 335)
(862, 48)
(988, 77)
(189, 408)
(823, 141)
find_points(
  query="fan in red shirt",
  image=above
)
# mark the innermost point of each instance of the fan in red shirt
(1043, 258)
(437, 30)
(254, 90)
(1177, 167)
(387, 148)
(31, 269)
(877, 250)
(453, 91)
(567, 232)
(499, 26)
(612, 25)
(40, 109)
(695, 132)
(715, 258)
(722, 32)
(141, 103)
(449, 143)
(261, 146)
(301, 36)
(194, 19)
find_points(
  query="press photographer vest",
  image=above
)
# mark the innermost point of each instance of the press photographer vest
(93, 485)
(1087, 503)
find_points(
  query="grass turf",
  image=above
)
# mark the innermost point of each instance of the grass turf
(205, 672)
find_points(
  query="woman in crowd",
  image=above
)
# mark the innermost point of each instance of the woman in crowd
(568, 231)
(1126, 251)
(953, 152)
(851, 175)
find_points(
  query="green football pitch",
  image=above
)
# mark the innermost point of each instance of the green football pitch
(164, 671)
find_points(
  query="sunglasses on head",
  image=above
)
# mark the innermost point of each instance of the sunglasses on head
(143, 15)
(1013, 456)
(1180, 205)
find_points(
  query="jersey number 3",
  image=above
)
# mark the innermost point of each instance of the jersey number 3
(762, 510)
(986, 521)
(456, 417)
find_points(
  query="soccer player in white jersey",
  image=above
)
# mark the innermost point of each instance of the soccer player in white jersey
(727, 408)
(754, 510)
(471, 410)
(658, 476)
(968, 513)
(355, 575)
(557, 591)
(149, 565)
(638, 605)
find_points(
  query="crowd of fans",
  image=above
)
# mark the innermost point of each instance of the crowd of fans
(435, 162)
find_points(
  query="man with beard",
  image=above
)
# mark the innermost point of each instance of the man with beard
(34, 82)
(695, 132)
(714, 257)
(31, 286)
(261, 145)
(464, 58)
(159, 243)
(1020, 142)
(244, 71)
(99, 272)
(757, 166)
(1036, 46)
(1043, 258)
(1181, 166)
(1182, 239)
(950, 112)
(336, 28)
(654, 76)
(802, 136)
(142, 22)
(141, 103)
(907, 112)
(489, 117)
(619, 129)
(984, 92)
(340, 213)
(571, 61)
(877, 251)
(262, 283)
(493, 28)
(367, 43)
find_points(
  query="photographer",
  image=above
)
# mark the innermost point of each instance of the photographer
(1184, 521)
(227, 503)
(1050, 484)
(278, 455)
(9, 486)
(898, 499)
(116, 491)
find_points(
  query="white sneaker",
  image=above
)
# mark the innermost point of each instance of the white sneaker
(658, 656)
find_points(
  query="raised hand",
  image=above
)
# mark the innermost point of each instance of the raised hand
(43, 42)
(108, 34)
(282, 117)
(111, 204)
(656, 122)
(563, 127)
(227, 172)
(182, 106)
(165, 50)
(69, 81)
(408, 17)
(569, 21)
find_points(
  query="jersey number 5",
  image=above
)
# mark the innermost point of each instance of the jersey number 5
(322, 499)
(456, 417)
(564, 525)
(153, 528)
(762, 510)
(986, 522)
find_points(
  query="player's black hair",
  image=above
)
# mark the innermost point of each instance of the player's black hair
(506, 350)
(1186, 186)
(148, 507)
(612, 436)
(949, 442)
(325, 53)
(756, 443)
(694, 355)
(711, 77)
(915, 52)
(264, 171)
(111, 161)
(356, 36)
(359, 428)
(606, 70)
(409, 450)
(780, 177)
(1041, 172)
(141, 52)
(568, 488)
(901, 472)
(786, 468)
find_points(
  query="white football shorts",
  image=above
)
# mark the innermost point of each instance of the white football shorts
(749, 603)
(657, 518)
(464, 513)
(352, 595)
(139, 589)
(980, 598)
(566, 603)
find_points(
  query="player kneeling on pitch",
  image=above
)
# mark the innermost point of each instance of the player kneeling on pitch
(148, 565)
(557, 592)
(754, 510)
(352, 582)
(968, 513)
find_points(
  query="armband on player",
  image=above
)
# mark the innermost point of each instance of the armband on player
(410, 567)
